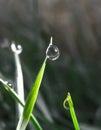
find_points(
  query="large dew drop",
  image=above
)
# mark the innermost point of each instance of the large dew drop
(52, 51)
(17, 49)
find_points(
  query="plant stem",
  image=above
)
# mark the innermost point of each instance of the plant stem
(72, 111)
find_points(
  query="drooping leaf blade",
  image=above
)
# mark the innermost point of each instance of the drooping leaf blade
(16, 97)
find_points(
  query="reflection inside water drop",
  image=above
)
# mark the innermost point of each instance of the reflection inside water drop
(52, 52)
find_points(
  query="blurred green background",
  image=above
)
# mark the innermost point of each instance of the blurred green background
(76, 30)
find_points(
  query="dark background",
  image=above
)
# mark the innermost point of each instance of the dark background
(76, 30)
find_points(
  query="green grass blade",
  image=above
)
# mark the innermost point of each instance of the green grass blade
(22, 124)
(16, 97)
(72, 111)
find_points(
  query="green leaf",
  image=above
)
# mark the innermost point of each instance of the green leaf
(22, 124)
(16, 97)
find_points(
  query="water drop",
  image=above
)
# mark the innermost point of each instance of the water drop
(8, 83)
(52, 51)
(17, 49)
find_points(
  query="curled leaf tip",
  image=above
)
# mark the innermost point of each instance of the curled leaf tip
(65, 103)
(16, 49)
(68, 101)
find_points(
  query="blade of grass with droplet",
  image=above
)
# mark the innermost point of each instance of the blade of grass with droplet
(30, 102)
(16, 97)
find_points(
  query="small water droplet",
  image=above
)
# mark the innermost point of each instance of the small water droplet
(17, 49)
(52, 51)
(8, 83)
